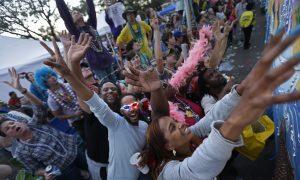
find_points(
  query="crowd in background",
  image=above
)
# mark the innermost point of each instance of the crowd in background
(150, 104)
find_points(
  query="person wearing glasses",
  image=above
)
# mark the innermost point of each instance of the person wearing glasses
(126, 134)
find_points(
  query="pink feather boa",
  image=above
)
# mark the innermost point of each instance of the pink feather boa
(175, 113)
(196, 55)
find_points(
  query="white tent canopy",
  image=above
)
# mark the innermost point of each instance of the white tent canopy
(27, 55)
(23, 54)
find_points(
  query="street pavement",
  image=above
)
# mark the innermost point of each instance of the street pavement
(238, 63)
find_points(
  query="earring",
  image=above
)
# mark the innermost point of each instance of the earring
(174, 152)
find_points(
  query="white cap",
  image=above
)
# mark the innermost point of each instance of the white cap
(135, 159)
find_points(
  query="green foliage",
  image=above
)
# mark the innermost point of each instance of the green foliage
(17, 17)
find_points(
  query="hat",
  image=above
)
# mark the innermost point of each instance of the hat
(18, 116)
(129, 9)
(177, 34)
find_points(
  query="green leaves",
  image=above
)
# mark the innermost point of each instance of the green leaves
(26, 18)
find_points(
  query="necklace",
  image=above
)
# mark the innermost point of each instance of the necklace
(144, 61)
(188, 110)
(137, 35)
(43, 145)
(96, 44)
(65, 98)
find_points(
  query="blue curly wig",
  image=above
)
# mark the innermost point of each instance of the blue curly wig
(41, 75)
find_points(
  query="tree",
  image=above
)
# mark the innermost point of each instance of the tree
(82, 7)
(28, 18)
(141, 6)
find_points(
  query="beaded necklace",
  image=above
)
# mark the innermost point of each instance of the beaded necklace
(137, 35)
(144, 61)
(96, 43)
(57, 141)
(188, 110)
(66, 99)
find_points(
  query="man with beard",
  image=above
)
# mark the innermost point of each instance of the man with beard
(212, 87)
(96, 134)
(97, 146)
(126, 134)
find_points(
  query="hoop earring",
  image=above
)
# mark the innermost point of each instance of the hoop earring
(174, 152)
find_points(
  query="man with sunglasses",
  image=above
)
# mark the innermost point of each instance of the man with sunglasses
(212, 86)
(126, 134)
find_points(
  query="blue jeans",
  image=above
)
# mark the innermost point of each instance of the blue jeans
(72, 172)
(105, 75)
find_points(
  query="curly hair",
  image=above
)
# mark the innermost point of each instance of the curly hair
(41, 75)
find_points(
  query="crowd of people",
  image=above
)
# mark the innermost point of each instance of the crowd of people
(154, 107)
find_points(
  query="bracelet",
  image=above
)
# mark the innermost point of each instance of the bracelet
(23, 91)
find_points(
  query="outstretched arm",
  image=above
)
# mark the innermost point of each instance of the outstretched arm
(66, 16)
(220, 45)
(39, 108)
(15, 83)
(101, 110)
(157, 47)
(148, 81)
(92, 21)
(74, 65)
(210, 158)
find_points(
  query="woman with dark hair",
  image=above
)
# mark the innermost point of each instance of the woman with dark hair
(98, 57)
(126, 132)
(172, 152)
(96, 134)
(35, 89)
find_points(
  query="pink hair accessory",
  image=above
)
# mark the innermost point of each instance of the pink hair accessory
(196, 55)
(175, 113)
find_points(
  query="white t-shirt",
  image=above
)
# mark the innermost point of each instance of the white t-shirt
(124, 140)
(115, 12)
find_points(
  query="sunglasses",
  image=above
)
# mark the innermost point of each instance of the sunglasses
(130, 107)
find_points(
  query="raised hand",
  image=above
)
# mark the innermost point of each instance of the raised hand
(217, 31)
(56, 61)
(65, 39)
(155, 24)
(274, 39)
(146, 81)
(78, 50)
(228, 27)
(259, 85)
(271, 51)
(15, 80)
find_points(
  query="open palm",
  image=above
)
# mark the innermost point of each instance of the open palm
(15, 79)
(65, 39)
(147, 81)
(77, 50)
(56, 61)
